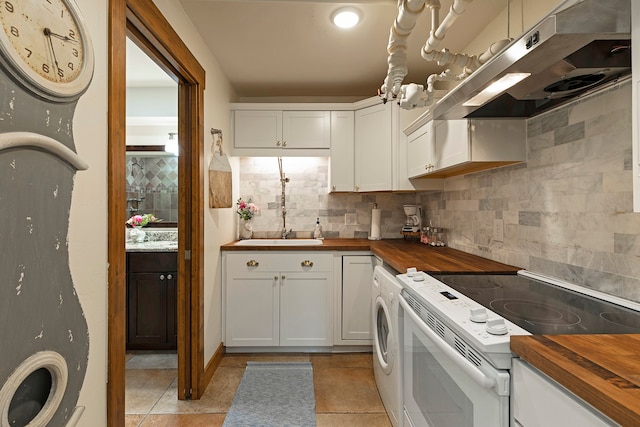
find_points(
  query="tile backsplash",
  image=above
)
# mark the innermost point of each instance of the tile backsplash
(307, 198)
(568, 211)
(153, 180)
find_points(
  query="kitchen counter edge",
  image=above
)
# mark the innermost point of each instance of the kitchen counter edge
(400, 254)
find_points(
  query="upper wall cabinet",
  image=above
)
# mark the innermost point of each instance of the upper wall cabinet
(373, 148)
(281, 133)
(341, 176)
(444, 148)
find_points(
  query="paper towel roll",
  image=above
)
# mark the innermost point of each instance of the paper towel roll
(375, 224)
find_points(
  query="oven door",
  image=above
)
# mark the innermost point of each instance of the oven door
(441, 387)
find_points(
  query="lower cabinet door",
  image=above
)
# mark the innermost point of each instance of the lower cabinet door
(252, 308)
(357, 271)
(151, 311)
(306, 309)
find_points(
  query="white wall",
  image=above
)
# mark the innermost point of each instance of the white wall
(152, 101)
(88, 217)
(219, 223)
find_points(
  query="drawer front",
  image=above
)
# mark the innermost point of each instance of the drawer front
(257, 261)
(150, 262)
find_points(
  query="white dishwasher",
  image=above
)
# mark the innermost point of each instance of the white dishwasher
(538, 401)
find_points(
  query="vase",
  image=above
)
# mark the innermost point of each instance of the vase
(245, 229)
(137, 234)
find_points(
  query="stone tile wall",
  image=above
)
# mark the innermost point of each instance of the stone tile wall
(568, 211)
(307, 198)
(154, 180)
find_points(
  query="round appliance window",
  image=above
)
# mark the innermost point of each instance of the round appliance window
(34, 390)
(383, 336)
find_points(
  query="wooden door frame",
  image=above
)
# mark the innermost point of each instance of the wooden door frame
(144, 22)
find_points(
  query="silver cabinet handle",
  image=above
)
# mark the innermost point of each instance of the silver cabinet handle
(283, 277)
(275, 278)
(169, 276)
(357, 188)
(252, 263)
(278, 144)
(162, 277)
(306, 263)
(284, 143)
(333, 188)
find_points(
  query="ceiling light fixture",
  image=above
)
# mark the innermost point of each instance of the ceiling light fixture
(171, 145)
(346, 17)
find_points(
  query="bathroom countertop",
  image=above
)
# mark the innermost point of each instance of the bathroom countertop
(155, 246)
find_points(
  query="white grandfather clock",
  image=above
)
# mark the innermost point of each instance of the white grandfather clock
(46, 64)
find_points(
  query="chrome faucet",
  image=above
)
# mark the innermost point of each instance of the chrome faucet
(286, 233)
(134, 204)
(283, 183)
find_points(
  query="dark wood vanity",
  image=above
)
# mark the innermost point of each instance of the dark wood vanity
(151, 300)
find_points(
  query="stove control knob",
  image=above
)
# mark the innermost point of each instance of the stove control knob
(478, 315)
(496, 326)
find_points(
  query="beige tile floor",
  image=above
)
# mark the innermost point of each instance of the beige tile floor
(344, 387)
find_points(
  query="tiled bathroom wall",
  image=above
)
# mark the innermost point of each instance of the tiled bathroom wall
(342, 215)
(154, 181)
(567, 211)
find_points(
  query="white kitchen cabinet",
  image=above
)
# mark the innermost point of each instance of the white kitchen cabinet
(278, 299)
(356, 302)
(341, 177)
(420, 150)
(373, 148)
(538, 401)
(281, 131)
(463, 146)
(443, 148)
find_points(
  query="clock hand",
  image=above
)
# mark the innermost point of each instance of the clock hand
(48, 33)
(65, 38)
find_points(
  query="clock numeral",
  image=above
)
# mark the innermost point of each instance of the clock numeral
(9, 6)
(15, 32)
(72, 34)
(75, 52)
(60, 73)
(29, 52)
(70, 65)
(45, 68)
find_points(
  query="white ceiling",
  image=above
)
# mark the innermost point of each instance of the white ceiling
(285, 48)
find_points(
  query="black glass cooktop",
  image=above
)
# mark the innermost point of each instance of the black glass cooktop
(543, 308)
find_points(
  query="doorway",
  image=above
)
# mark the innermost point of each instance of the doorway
(142, 22)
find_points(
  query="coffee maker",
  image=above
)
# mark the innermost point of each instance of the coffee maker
(413, 222)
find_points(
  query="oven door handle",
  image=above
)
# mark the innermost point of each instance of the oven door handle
(469, 368)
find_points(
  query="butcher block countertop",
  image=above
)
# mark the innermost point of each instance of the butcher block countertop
(400, 254)
(603, 370)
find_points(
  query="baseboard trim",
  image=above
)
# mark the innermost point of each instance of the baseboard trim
(212, 366)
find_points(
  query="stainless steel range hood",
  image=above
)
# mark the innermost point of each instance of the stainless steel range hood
(580, 46)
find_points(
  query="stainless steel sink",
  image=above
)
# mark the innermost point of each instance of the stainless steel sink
(279, 242)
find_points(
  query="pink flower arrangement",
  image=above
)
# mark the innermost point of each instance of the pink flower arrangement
(246, 210)
(141, 220)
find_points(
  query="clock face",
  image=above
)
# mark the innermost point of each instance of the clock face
(47, 44)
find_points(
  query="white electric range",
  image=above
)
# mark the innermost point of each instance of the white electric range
(456, 331)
